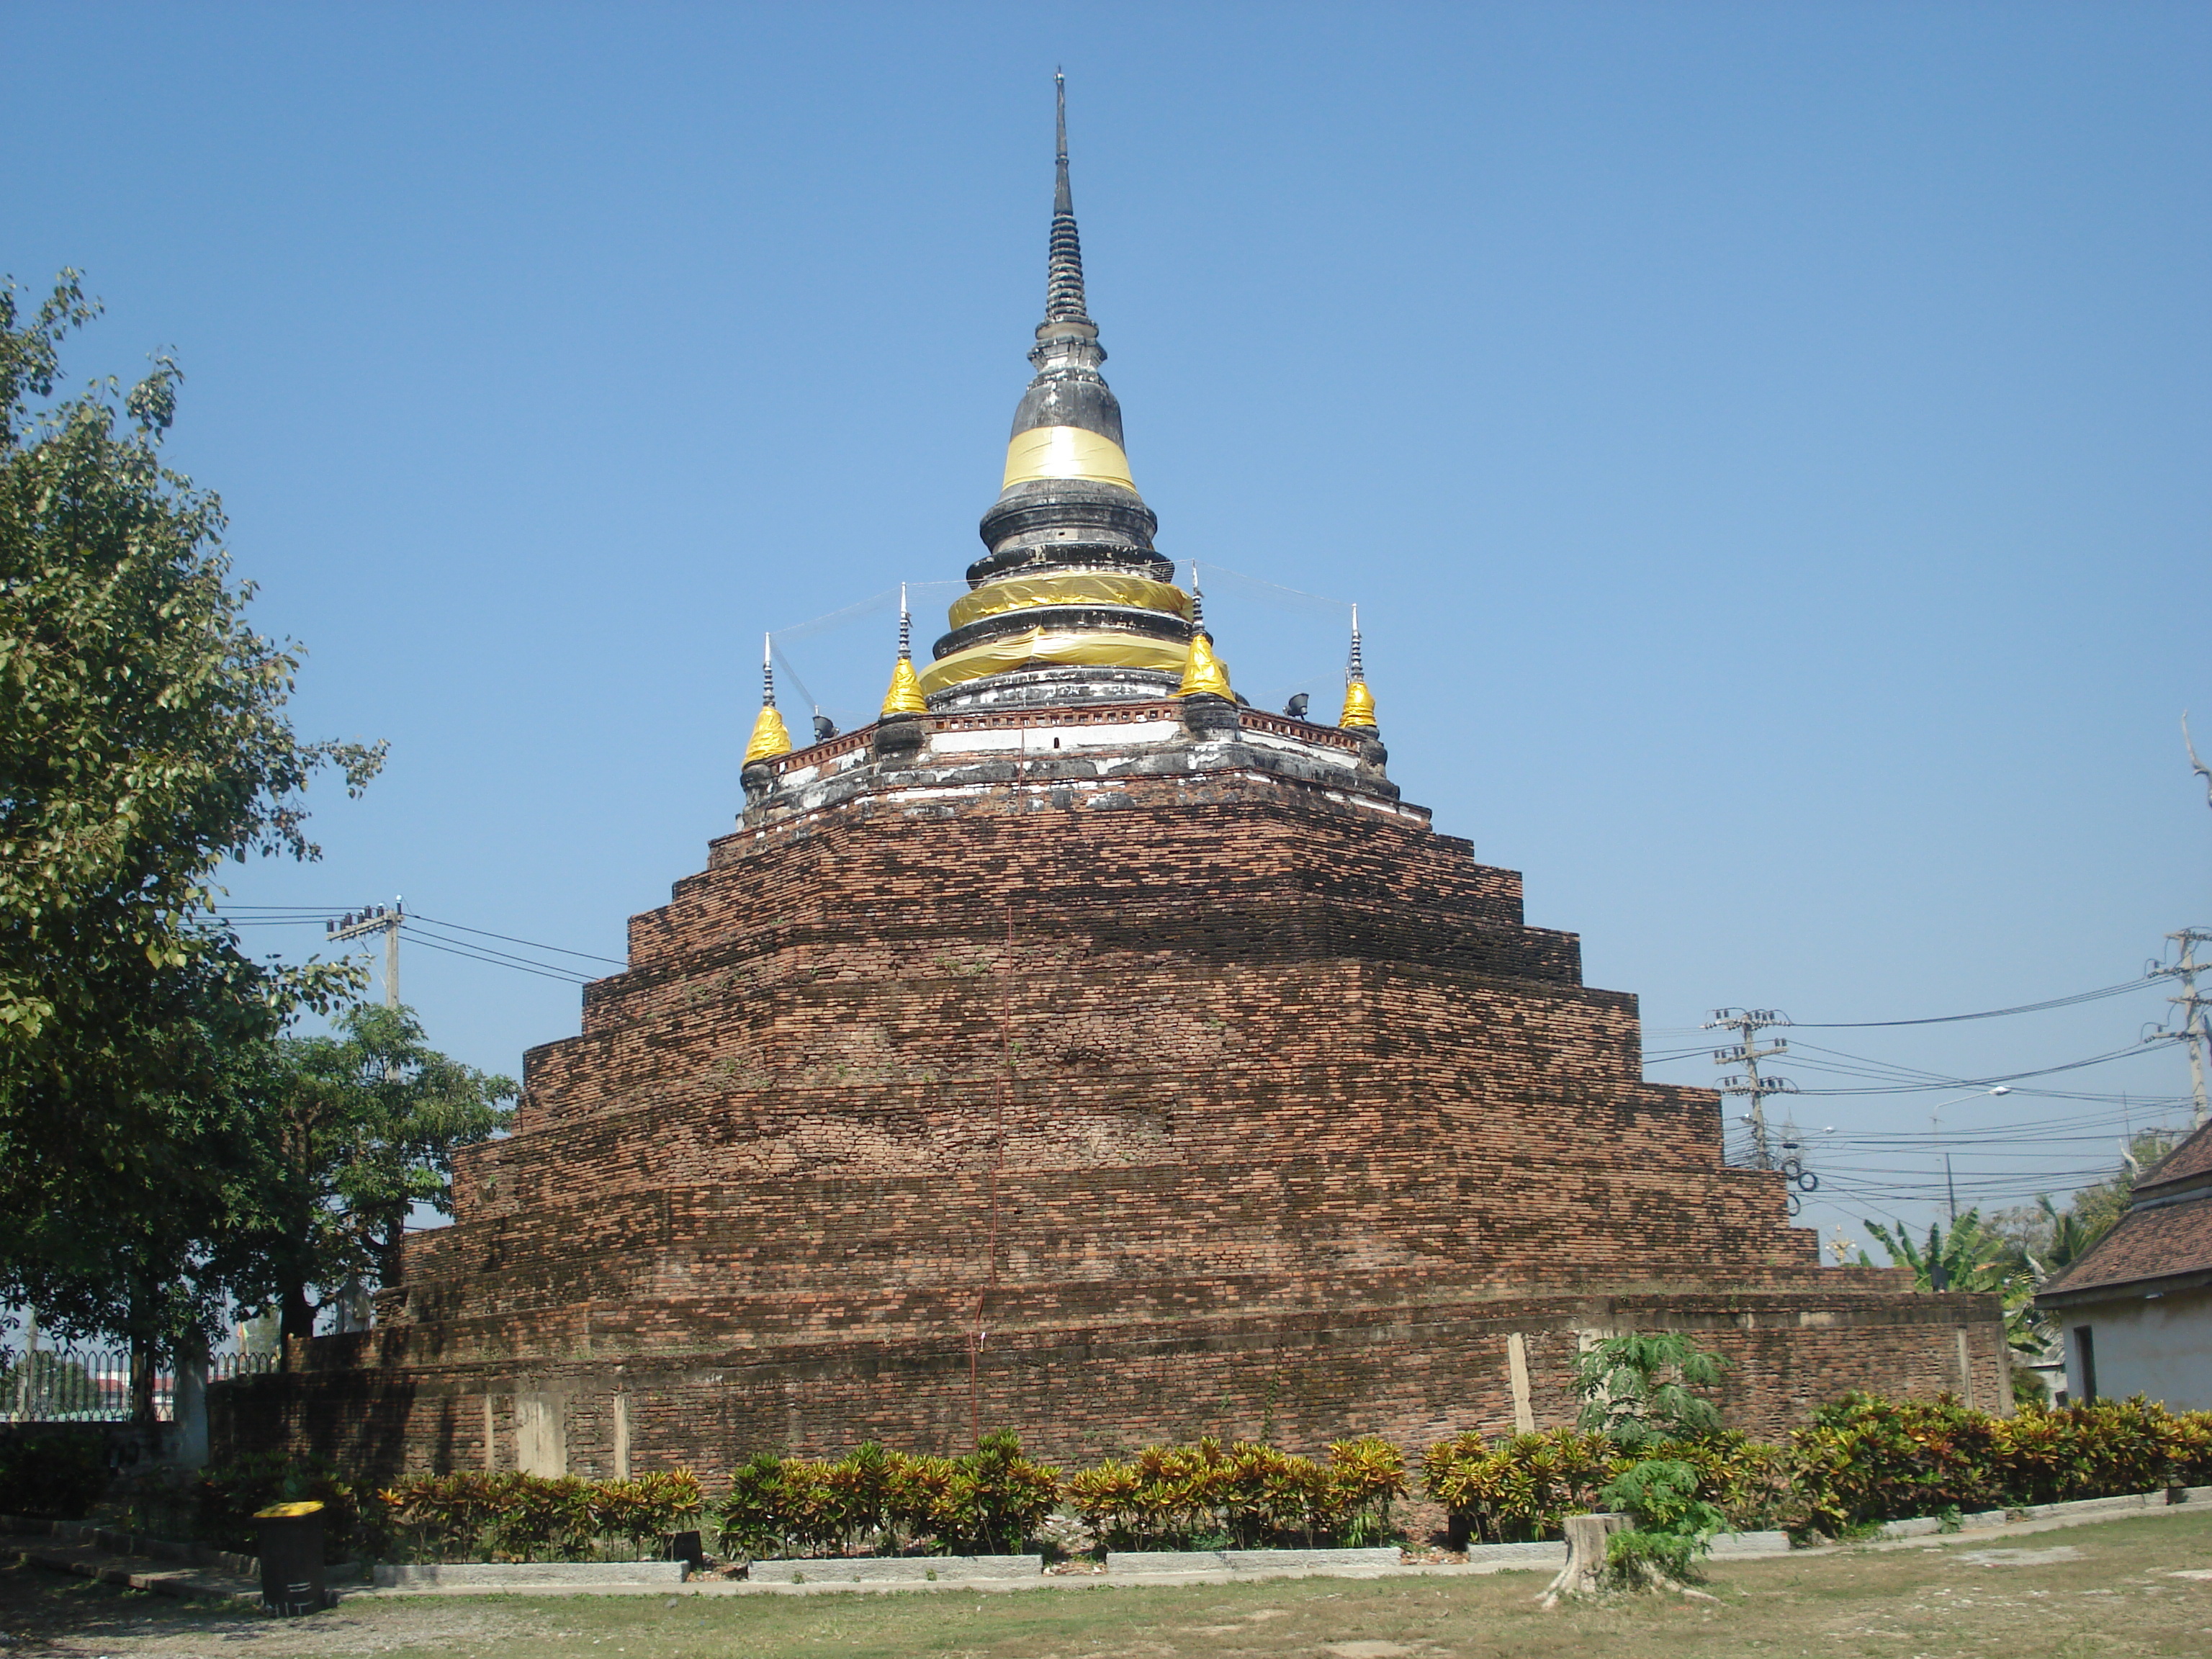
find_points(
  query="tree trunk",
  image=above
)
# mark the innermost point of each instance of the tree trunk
(295, 1317)
(1585, 1573)
(144, 1320)
(144, 1356)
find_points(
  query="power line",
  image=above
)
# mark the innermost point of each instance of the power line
(273, 916)
(1986, 1013)
(561, 950)
(543, 973)
(489, 954)
(1983, 1083)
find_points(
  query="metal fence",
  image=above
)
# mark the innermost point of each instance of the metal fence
(71, 1385)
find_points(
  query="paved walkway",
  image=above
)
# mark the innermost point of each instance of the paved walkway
(141, 1572)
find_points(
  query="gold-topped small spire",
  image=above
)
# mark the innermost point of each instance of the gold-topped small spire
(905, 695)
(1204, 674)
(769, 737)
(1358, 700)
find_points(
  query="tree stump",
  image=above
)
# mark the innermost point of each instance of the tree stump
(1585, 1573)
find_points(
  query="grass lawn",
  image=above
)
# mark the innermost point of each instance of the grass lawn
(2095, 1590)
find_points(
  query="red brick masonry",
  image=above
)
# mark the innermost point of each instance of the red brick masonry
(1213, 1102)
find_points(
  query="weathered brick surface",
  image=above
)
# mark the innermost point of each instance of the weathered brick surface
(1229, 1106)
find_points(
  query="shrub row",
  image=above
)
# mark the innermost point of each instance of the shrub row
(986, 1502)
(1242, 1496)
(476, 1516)
(1866, 1459)
(218, 1506)
(1861, 1460)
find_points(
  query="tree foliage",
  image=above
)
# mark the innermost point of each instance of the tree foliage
(1638, 1389)
(144, 742)
(356, 1128)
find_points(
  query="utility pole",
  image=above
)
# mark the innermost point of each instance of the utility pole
(2196, 1040)
(1747, 1023)
(374, 918)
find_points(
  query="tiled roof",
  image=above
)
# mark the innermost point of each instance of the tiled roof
(2192, 1157)
(2163, 1243)
(2166, 1234)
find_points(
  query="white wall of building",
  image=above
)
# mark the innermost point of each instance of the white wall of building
(2160, 1346)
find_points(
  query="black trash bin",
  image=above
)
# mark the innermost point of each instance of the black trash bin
(292, 1559)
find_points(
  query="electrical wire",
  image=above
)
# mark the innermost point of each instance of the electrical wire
(2135, 984)
(411, 924)
(562, 975)
(561, 950)
(485, 952)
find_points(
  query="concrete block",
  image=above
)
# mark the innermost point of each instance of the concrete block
(2134, 1500)
(519, 1574)
(2190, 1495)
(1919, 1526)
(895, 1569)
(1552, 1552)
(1167, 1561)
(1303, 1560)
(1750, 1543)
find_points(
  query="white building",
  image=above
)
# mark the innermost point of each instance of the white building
(2137, 1308)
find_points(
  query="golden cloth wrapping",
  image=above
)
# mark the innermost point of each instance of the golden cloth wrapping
(769, 739)
(1203, 671)
(1358, 706)
(1069, 587)
(905, 695)
(1054, 648)
(1065, 452)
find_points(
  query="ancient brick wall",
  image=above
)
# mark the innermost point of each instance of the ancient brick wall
(1199, 1106)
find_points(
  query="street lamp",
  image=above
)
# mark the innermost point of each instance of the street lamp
(1935, 1132)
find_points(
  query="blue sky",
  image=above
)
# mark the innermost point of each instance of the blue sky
(1767, 443)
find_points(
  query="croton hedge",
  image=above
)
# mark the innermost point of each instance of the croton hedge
(986, 1503)
(478, 1517)
(1861, 1460)
(1241, 1495)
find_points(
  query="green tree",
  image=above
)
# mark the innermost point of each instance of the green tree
(1969, 1255)
(144, 742)
(2047, 1240)
(357, 1127)
(1639, 1390)
(1636, 1389)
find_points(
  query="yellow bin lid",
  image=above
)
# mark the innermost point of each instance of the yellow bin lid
(287, 1512)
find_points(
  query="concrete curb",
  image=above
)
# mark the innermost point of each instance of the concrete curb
(518, 1575)
(897, 1569)
(1930, 1526)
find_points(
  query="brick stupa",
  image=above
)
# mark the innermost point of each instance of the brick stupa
(1080, 1049)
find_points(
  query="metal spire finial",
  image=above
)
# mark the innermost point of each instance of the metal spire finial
(1359, 702)
(769, 736)
(1063, 293)
(1062, 201)
(904, 696)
